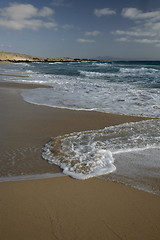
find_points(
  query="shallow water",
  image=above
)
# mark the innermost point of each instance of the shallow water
(139, 169)
(129, 152)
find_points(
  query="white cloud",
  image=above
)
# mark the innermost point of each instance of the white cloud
(67, 26)
(33, 24)
(103, 12)
(139, 40)
(135, 33)
(84, 40)
(146, 29)
(93, 33)
(46, 12)
(150, 41)
(21, 16)
(25, 11)
(19, 11)
(154, 26)
(122, 39)
(136, 14)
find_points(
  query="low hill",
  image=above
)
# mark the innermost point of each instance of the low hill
(18, 57)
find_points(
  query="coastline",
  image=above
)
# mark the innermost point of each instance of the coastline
(9, 57)
(27, 127)
(62, 207)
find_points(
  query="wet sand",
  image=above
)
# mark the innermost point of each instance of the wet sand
(20, 86)
(62, 207)
(25, 128)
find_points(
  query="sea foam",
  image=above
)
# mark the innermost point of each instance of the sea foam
(87, 154)
(123, 88)
(79, 162)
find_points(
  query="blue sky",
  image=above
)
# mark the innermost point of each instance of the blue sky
(128, 29)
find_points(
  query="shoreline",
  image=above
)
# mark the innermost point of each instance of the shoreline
(26, 128)
(63, 207)
(9, 84)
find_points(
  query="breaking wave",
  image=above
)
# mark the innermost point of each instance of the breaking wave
(90, 153)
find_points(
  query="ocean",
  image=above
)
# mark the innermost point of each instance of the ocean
(127, 153)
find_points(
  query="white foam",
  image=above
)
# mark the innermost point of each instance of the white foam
(139, 70)
(102, 64)
(106, 89)
(78, 162)
(94, 74)
(52, 63)
(88, 154)
(96, 95)
(22, 64)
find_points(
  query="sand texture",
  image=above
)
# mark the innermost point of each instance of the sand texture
(64, 208)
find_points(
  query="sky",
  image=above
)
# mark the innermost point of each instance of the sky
(127, 29)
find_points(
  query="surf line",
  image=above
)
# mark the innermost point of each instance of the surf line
(31, 177)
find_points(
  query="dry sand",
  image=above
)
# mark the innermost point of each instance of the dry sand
(64, 208)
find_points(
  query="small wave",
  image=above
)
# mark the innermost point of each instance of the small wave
(22, 63)
(102, 64)
(78, 162)
(29, 71)
(138, 70)
(88, 154)
(94, 74)
(52, 63)
(94, 95)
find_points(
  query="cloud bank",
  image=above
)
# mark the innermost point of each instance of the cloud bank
(21, 16)
(136, 14)
(103, 12)
(94, 33)
(146, 29)
(84, 40)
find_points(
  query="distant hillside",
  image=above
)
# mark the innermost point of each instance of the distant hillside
(18, 57)
(7, 56)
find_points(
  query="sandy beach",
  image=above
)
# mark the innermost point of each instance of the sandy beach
(62, 207)
(26, 128)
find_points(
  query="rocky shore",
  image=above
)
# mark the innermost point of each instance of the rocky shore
(18, 57)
